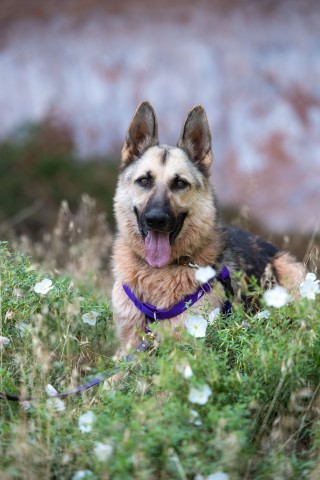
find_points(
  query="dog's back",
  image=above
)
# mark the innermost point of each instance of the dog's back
(260, 259)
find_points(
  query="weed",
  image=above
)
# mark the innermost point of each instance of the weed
(260, 419)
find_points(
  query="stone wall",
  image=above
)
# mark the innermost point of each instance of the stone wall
(255, 66)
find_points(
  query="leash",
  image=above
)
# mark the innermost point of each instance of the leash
(142, 347)
(152, 315)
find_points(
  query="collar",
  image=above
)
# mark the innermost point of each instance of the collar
(153, 314)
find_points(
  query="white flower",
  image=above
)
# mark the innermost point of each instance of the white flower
(17, 292)
(56, 404)
(103, 451)
(86, 421)
(9, 315)
(90, 317)
(185, 370)
(218, 476)
(43, 287)
(264, 314)
(310, 287)
(212, 317)
(4, 341)
(25, 405)
(23, 328)
(82, 474)
(245, 325)
(195, 418)
(50, 390)
(66, 458)
(196, 326)
(204, 274)
(276, 297)
(200, 395)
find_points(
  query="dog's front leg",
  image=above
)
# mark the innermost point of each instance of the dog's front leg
(129, 333)
(129, 321)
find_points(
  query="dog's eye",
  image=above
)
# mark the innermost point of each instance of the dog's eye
(143, 181)
(180, 184)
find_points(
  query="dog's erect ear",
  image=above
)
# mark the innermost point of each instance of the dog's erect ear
(196, 138)
(142, 133)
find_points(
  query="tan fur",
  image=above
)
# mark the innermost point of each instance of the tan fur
(201, 239)
(162, 287)
(200, 203)
(130, 323)
(166, 286)
(290, 272)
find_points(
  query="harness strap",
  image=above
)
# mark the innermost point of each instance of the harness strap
(154, 314)
(165, 314)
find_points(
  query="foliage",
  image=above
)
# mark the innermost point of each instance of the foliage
(261, 420)
(39, 169)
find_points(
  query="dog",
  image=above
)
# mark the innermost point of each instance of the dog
(168, 222)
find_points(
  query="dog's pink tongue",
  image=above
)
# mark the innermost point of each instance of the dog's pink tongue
(157, 249)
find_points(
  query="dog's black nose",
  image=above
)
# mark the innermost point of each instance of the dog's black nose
(157, 219)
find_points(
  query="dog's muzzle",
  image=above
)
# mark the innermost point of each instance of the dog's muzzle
(159, 229)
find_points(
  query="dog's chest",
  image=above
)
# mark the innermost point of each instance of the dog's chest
(164, 288)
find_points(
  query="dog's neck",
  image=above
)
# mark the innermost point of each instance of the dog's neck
(167, 285)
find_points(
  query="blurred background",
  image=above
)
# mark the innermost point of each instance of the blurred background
(73, 71)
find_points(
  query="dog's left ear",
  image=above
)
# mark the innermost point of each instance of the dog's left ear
(196, 138)
(142, 133)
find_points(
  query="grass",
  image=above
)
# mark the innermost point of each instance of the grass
(260, 422)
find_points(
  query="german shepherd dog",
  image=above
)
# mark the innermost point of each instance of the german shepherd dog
(167, 217)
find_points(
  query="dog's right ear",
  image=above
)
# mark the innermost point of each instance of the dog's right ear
(142, 134)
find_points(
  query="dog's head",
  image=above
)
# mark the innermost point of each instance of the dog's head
(163, 197)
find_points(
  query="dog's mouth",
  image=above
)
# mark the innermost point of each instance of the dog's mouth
(157, 243)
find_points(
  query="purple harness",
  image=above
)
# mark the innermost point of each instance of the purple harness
(153, 314)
